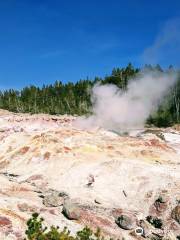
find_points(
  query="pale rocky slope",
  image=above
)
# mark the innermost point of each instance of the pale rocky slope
(45, 162)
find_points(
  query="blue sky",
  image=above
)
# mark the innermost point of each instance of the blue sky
(45, 40)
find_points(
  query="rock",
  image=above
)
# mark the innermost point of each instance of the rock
(55, 192)
(4, 221)
(149, 231)
(63, 194)
(156, 237)
(147, 228)
(98, 201)
(5, 225)
(102, 221)
(176, 214)
(125, 222)
(71, 210)
(53, 201)
(24, 207)
(34, 178)
(54, 198)
(158, 232)
(160, 205)
(91, 180)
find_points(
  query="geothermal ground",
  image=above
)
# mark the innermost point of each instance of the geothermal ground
(97, 178)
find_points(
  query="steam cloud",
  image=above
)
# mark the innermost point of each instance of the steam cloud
(117, 110)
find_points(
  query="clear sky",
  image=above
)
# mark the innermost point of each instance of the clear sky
(45, 40)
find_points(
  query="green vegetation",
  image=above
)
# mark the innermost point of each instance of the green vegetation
(156, 222)
(36, 231)
(74, 98)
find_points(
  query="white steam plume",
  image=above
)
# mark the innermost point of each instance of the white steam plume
(117, 110)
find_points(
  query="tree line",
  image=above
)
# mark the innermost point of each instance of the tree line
(74, 98)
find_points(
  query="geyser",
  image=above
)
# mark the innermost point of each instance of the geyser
(118, 110)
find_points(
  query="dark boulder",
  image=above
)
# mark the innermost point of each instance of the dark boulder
(126, 222)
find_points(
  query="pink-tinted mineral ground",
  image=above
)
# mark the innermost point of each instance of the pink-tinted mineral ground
(99, 178)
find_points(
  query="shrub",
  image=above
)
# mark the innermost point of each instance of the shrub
(156, 222)
(36, 231)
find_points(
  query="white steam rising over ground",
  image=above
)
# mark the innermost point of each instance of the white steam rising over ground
(120, 110)
(117, 110)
